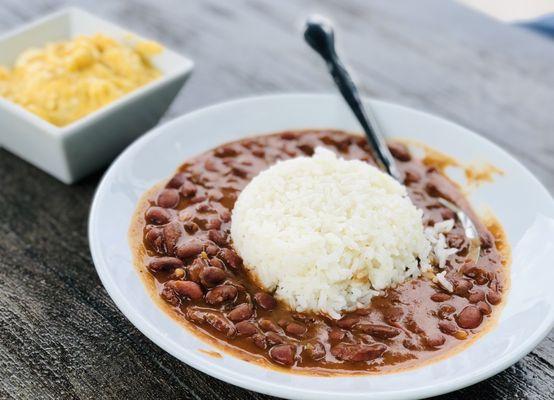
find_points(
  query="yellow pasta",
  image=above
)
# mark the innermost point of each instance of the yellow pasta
(65, 81)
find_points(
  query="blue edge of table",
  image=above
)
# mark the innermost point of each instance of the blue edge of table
(543, 25)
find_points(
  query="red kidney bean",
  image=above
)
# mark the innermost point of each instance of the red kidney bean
(240, 287)
(157, 264)
(296, 329)
(267, 324)
(447, 213)
(494, 298)
(168, 198)
(259, 340)
(476, 296)
(393, 315)
(283, 354)
(240, 172)
(303, 318)
(190, 248)
(344, 144)
(439, 297)
(210, 165)
(362, 311)
(484, 307)
(221, 294)
(462, 287)
(211, 248)
(456, 241)
(154, 238)
(204, 208)
(240, 313)
(215, 195)
(438, 186)
(172, 233)
(336, 334)
(358, 352)
(225, 215)
(469, 318)
(315, 350)
(265, 300)
(191, 227)
(274, 338)
(260, 153)
(494, 285)
(468, 268)
(434, 340)
(399, 151)
(246, 328)
(195, 315)
(288, 135)
(187, 289)
(482, 279)
(378, 330)
(220, 323)
(188, 189)
(411, 177)
(445, 311)
(308, 149)
(218, 237)
(169, 295)
(231, 258)
(196, 268)
(291, 152)
(448, 327)
(412, 325)
(176, 181)
(157, 216)
(217, 263)
(487, 239)
(198, 198)
(480, 276)
(212, 276)
(348, 321)
(214, 223)
(248, 144)
(225, 151)
(411, 344)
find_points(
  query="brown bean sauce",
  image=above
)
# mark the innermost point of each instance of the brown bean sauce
(197, 273)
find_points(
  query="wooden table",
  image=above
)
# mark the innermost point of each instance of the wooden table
(61, 337)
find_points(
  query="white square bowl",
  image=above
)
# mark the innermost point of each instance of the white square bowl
(75, 150)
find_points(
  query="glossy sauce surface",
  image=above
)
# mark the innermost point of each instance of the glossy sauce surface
(185, 232)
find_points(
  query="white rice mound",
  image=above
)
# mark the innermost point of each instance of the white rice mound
(326, 234)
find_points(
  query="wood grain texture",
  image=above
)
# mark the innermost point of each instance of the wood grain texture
(61, 337)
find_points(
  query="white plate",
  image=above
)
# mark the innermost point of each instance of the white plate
(522, 204)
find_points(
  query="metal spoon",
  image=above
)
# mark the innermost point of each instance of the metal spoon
(469, 229)
(320, 36)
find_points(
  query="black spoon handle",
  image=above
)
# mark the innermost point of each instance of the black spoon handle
(320, 36)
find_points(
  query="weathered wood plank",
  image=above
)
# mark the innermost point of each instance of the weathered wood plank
(62, 337)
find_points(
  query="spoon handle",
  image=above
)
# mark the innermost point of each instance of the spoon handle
(319, 35)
